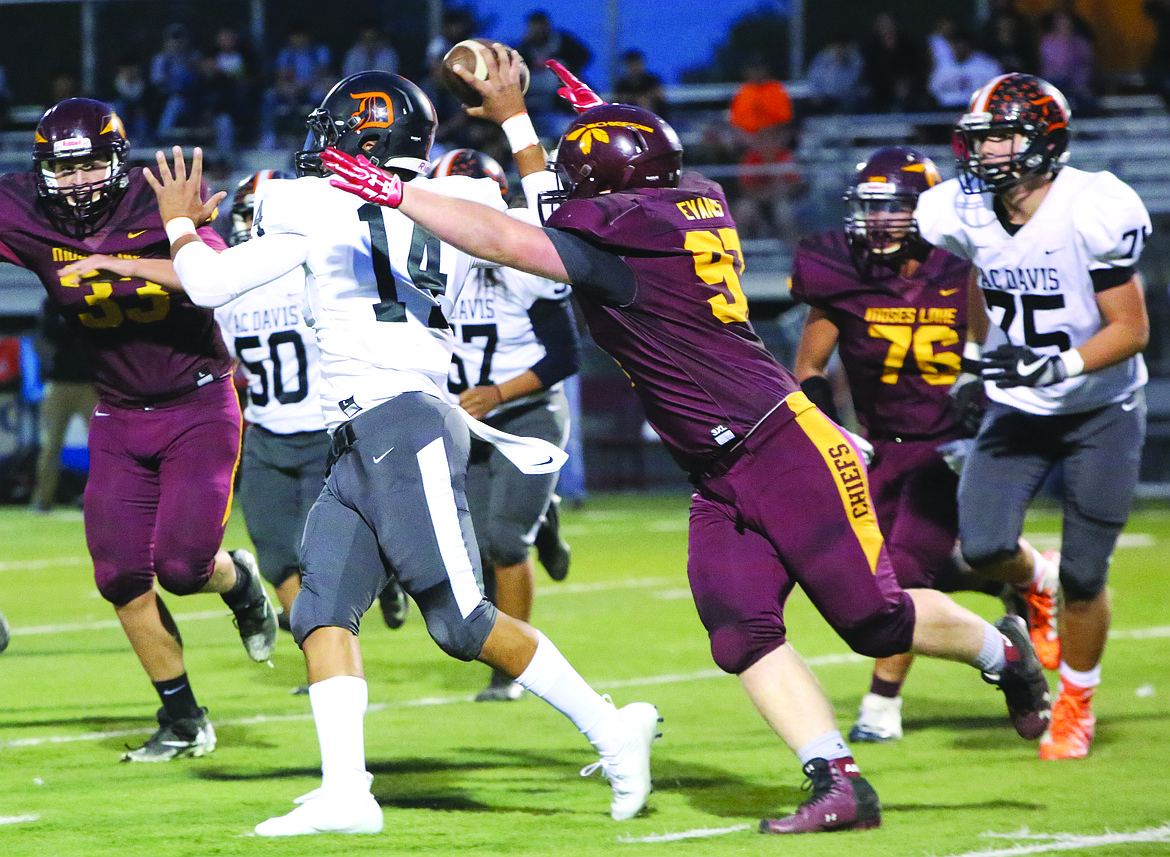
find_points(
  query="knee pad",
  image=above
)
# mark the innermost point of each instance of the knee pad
(182, 576)
(121, 587)
(735, 647)
(505, 544)
(888, 633)
(309, 613)
(461, 638)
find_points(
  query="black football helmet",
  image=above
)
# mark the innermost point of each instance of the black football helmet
(244, 201)
(1008, 105)
(615, 147)
(880, 221)
(80, 129)
(469, 162)
(377, 114)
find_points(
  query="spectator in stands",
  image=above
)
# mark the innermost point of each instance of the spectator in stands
(66, 370)
(951, 84)
(1068, 59)
(133, 98)
(1010, 38)
(639, 86)
(896, 66)
(302, 77)
(834, 76)
(761, 111)
(229, 76)
(542, 41)
(1157, 68)
(938, 41)
(174, 74)
(456, 130)
(5, 101)
(372, 50)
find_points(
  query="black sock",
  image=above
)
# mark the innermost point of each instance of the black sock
(177, 698)
(240, 595)
(881, 687)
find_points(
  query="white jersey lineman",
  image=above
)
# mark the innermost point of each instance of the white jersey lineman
(1037, 282)
(265, 330)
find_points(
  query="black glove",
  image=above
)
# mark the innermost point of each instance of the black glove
(966, 396)
(1020, 366)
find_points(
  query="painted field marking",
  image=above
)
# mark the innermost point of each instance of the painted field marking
(1067, 841)
(19, 819)
(698, 833)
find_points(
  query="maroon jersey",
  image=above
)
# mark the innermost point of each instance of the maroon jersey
(702, 374)
(147, 345)
(900, 337)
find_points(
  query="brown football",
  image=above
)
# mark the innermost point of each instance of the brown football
(470, 53)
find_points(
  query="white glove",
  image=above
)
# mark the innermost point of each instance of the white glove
(862, 445)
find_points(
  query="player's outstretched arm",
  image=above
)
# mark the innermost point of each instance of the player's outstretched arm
(574, 90)
(180, 196)
(470, 226)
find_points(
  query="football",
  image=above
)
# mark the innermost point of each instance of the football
(471, 54)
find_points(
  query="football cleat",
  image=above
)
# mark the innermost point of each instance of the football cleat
(879, 720)
(551, 550)
(1041, 599)
(394, 603)
(1022, 680)
(501, 689)
(256, 620)
(628, 771)
(1073, 724)
(841, 799)
(321, 811)
(175, 739)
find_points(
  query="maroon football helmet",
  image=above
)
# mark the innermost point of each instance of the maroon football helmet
(244, 201)
(615, 147)
(79, 130)
(469, 162)
(880, 221)
(1012, 104)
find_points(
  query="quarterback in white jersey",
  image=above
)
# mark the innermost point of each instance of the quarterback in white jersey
(393, 503)
(1054, 251)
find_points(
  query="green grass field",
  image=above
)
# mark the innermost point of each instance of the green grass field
(454, 775)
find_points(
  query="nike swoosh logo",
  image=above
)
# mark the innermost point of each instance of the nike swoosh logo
(135, 234)
(172, 691)
(1028, 368)
(100, 414)
(946, 293)
(378, 458)
(543, 463)
(1130, 405)
(1050, 252)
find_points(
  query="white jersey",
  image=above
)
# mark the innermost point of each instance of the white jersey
(494, 339)
(264, 329)
(379, 288)
(1036, 283)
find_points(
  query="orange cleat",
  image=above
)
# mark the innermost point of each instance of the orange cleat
(1041, 599)
(1073, 724)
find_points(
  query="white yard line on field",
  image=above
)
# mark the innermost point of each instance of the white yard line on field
(1067, 841)
(697, 833)
(18, 819)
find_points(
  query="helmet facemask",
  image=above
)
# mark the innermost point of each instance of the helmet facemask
(880, 225)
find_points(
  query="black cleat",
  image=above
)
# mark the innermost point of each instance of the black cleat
(551, 549)
(394, 603)
(175, 739)
(256, 620)
(1022, 680)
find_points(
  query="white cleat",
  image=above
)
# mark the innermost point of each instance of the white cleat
(879, 720)
(629, 771)
(321, 811)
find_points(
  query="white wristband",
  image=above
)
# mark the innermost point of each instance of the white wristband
(1074, 364)
(972, 350)
(177, 227)
(520, 133)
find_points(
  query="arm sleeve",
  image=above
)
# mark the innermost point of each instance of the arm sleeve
(212, 279)
(602, 275)
(556, 329)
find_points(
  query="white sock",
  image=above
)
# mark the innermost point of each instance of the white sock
(1092, 678)
(991, 657)
(828, 746)
(553, 679)
(339, 710)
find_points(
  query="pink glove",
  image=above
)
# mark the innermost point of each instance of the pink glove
(361, 178)
(574, 91)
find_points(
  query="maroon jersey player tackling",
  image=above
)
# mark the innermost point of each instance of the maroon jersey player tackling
(165, 436)
(896, 312)
(781, 495)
